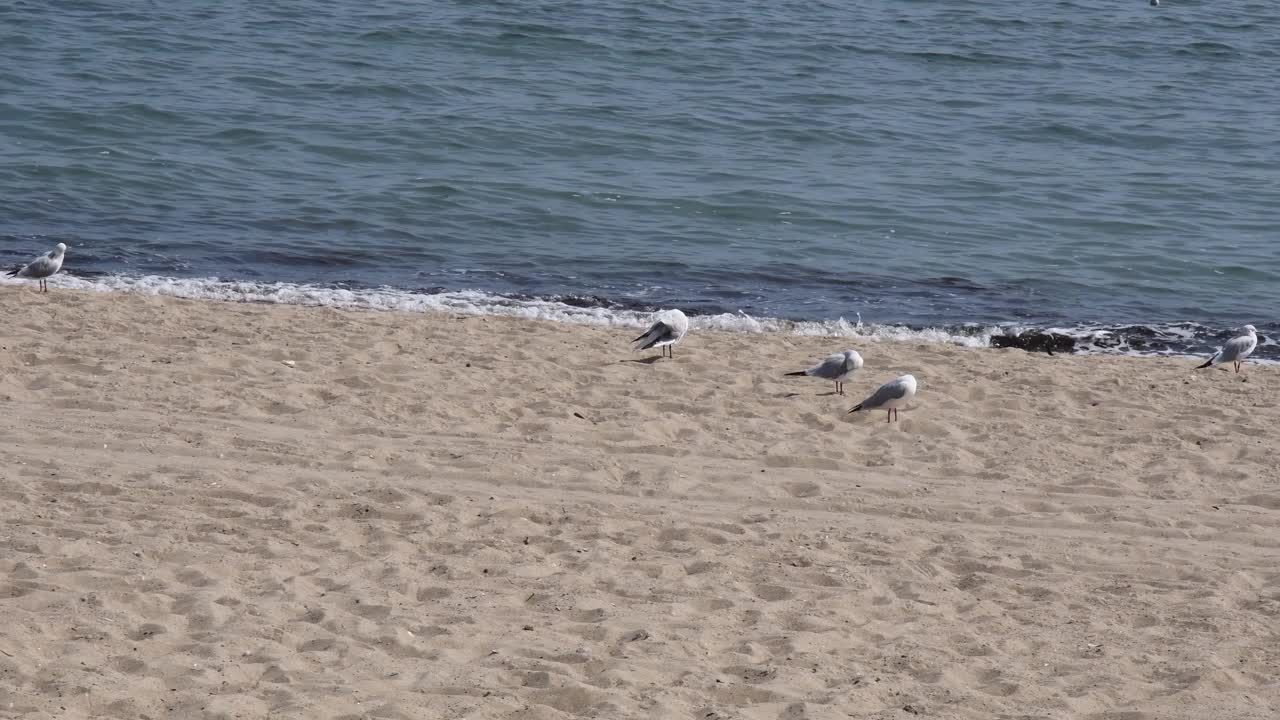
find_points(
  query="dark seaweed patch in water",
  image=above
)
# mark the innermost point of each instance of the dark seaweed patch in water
(1036, 341)
(390, 34)
(956, 283)
(435, 290)
(585, 301)
(976, 58)
(276, 257)
(1207, 49)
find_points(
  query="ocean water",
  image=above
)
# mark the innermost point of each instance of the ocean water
(929, 169)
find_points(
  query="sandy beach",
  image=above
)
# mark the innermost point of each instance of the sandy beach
(215, 510)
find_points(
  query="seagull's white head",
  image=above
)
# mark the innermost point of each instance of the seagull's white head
(1251, 329)
(60, 248)
(853, 358)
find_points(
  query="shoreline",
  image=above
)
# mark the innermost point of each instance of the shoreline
(1173, 340)
(214, 509)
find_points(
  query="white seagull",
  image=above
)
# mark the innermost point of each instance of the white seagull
(837, 367)
(890, 396)
(668, 328)
(42, 267)
(1236, 349)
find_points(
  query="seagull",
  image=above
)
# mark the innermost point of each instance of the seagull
(837, 367)
(42, 267)
(890, 396)
(668, 328)
(1236, 349)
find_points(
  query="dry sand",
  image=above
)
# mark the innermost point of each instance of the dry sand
(447, 517)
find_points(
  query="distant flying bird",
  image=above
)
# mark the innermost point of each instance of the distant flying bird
(1236, 349)
(42, 267)
(837, 367)
(669, 327)
(889, 397)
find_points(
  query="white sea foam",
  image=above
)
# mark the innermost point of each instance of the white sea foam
(473, 302)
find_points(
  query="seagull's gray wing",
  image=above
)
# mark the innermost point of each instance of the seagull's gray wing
(830, 368)
(1233, 349)
(40, 267)
(885, 393)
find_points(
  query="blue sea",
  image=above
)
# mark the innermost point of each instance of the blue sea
(908, 168)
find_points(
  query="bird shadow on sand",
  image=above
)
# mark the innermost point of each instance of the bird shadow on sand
(646, 361)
